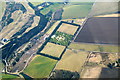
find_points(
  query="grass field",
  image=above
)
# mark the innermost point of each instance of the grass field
(67, 28)
(40, 67)
(93, 47)
(36, 2)
(104, 8)
(8, 77)
(72, 60)
(53, 49)
(61, 38)
(76, 11)
(91, 72)
(55, 6)
(2, 8)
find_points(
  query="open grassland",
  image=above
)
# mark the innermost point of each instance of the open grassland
(72, 60)
(53, 27)
(12, 28)
(8, 77)
(91, 72)
(53, 7)
(114, 57)
(53, 49)
(81, 3)
(36, 2)
(35, 23)
(61, 38)
(40, 67)
(100, 8)
(28, 8)
(68, 28)
(2, 8)
(94, 47)
(98, 65)
(76, 11)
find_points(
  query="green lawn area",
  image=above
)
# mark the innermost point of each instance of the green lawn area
(40, 67)
(61, 38)
(53, 49)
(76, 11)
(8, 77)
(94, 47)
(55, 6)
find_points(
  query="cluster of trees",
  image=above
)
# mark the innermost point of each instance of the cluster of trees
(65, 41)
(114, 64)
(64, 75)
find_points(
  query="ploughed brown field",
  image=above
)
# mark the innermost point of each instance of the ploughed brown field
(100, 30)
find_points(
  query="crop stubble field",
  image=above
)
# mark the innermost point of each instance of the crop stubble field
(68, 28)
(95, 47)
(53, 49)
(72, 61)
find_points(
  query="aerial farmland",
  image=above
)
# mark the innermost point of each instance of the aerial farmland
(59, 40)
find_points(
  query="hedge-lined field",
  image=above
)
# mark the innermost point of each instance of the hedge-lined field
(53, 49)
(72, 60)
(68, 28)
(61, 38)
(40, 67)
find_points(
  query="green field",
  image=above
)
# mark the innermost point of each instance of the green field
(40, 67)
(55, 6)
(76, 11)
(94, 47)
(36, 2)
(61, 38)
(8, 77)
